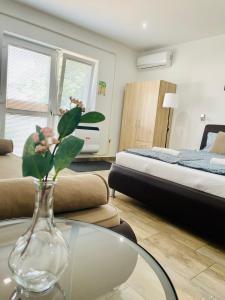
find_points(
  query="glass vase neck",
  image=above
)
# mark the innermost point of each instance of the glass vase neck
(44, 199)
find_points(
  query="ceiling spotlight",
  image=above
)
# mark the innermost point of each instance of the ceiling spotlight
(144, 25)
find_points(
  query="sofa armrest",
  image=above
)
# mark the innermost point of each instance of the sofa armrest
(78, 192)
(6, 146)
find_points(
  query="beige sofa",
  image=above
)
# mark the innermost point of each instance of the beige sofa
(79, 197)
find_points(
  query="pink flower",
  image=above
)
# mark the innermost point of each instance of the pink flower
(50, 141)
(62, 111)
(47, 131)
(77, 102)
(80, 104)
(41, 149)
(36, 138)
(55, 141)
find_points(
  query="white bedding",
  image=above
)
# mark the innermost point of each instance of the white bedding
(203, 181)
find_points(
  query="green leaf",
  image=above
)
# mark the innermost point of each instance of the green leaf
(92, 117)
(37, 165)
(69, 148)
(29, 146)
(40, 133)
(38, 128)
(69, 122)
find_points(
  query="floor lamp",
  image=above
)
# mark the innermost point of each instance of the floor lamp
(170, 101)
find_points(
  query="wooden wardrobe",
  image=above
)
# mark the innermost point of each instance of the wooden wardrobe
(144, 120)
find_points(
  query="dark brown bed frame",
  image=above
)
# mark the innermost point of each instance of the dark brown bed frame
(174, 200)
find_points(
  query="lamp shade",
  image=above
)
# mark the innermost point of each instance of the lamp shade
(170, 100)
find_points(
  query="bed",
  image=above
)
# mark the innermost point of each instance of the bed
(175, 190)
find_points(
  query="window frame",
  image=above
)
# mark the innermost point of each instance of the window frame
(91, 100)
(57, 74)
(11, 40)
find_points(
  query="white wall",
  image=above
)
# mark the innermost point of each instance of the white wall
(199, 72)
(116, 62)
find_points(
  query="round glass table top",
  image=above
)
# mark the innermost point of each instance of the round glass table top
(102, 265)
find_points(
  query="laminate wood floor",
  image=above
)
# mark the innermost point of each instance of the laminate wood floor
(195, 266)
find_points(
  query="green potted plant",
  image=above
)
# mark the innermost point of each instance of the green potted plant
(41, 254)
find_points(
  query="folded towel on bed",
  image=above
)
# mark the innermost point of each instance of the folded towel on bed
(166, 150)
(217, 161)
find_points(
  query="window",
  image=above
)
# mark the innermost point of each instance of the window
(28, 89)
(31, 90)
(28, 80)
(76, 80)
(18, 127)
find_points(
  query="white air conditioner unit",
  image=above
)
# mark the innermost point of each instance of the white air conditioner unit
(153, 60)
(91, 137)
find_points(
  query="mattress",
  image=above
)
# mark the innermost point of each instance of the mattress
(206, 182)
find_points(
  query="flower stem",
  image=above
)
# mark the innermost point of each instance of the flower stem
(43, 190)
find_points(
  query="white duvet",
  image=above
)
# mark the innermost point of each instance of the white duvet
(203, 181)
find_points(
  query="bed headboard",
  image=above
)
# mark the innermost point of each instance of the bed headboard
(210, 128)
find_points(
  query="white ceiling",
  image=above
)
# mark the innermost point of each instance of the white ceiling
(167, 22)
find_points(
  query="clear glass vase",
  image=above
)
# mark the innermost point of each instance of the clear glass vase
(41, 254)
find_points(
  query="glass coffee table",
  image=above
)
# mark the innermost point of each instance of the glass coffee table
(103, 265)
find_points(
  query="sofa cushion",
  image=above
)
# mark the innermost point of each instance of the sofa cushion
(104, 215)
(71, 193)
(6, 146)
(80, 192)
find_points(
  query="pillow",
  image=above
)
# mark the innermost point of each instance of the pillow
(219, 144)
(211, 136)
(6, 146)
